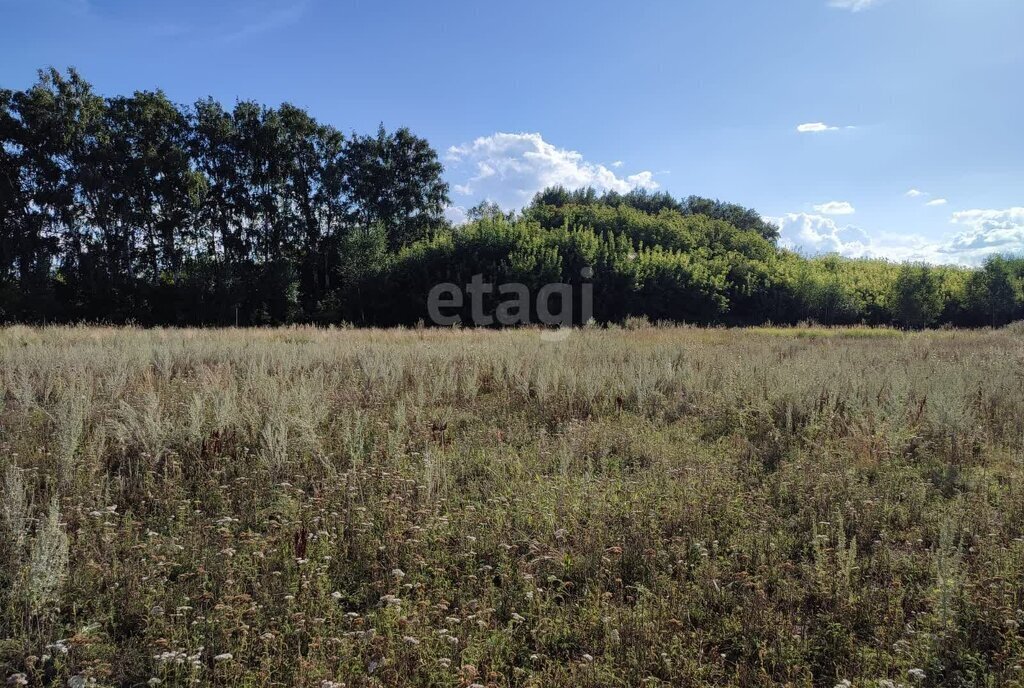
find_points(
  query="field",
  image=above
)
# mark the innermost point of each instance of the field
(627, 507)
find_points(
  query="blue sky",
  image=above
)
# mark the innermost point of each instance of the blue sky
(698, 97)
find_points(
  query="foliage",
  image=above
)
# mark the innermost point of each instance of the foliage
(917, 296)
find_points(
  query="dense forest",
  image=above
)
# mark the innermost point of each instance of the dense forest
(138, 209)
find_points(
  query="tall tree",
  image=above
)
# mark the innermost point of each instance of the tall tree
(313, 193)
(60, 126)
(394, 180)
(150, 181)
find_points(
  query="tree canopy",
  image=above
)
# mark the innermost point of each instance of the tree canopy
(137, 209)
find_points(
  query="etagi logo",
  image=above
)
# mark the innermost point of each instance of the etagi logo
(553, 306)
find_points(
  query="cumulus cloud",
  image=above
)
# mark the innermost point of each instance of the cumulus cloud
(818, 235)
(984, 233)
(617, 163)
(854, 5)
(987, 232)
(815, 128)
(937, 201)
(835, 208)
(510, 168)
(456, 214)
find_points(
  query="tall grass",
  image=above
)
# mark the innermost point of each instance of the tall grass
(651, 506)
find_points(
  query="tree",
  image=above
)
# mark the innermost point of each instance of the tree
(313, 163)
(746, 219)
(917, 298)
(394, 180)
(488, 210)
(57, 132)
(993, 293)
(150, 187)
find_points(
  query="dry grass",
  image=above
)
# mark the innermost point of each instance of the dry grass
(649, 507)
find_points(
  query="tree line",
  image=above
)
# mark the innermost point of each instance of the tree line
(133, 208)
(137, 209)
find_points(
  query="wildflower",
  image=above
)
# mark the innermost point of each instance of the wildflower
(224, 657)
(60, 646)
(845, 683)
(336, 595)
(17, 680)
(916, 674)
(588, 658)
(154, 681)
(398, 573)
(517, 618)
(410, 640)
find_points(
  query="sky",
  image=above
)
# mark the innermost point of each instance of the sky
(889, 128)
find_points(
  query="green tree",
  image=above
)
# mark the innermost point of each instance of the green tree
(993, 293)
(394, 180)
(917, 298)
(56, 137)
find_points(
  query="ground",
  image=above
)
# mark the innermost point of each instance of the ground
(619, 507)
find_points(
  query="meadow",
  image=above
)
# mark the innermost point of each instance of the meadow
(648, 506)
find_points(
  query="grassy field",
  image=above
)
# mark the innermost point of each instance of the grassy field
(648, 507)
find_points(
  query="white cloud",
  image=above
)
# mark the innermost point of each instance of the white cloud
(456, 214)
(617, 163)
(818, 235)
(642, 180)
(835, 208)
(986, 232)
(815, 128)
(854, 5)
(937, 201)
(915, 193)
(510, 168)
